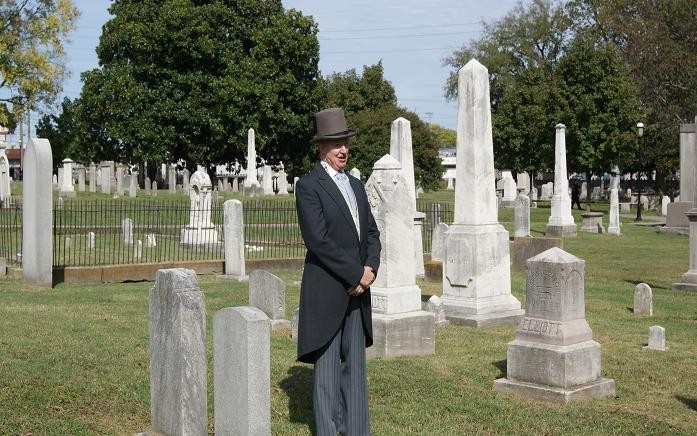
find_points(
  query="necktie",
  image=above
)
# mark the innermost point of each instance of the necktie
(347, 192)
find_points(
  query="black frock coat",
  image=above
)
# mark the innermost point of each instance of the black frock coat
(335, 259)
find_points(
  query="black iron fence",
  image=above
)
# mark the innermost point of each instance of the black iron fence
(112, 232)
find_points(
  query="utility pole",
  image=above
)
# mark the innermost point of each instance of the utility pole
(430, 116)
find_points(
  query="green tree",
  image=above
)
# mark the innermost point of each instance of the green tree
(63, 132)
(370, 103)
(32, 56)
(184, 79)
(444, 137)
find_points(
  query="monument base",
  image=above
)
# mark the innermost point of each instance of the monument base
(234, 277)
(280, 324)
(508, 317)
(560, 231)
(403, 334)
(67, 194)
(193, 237)
(395, 300)
(507, 204)
(690, 287)
(599, 389)
(483, 312)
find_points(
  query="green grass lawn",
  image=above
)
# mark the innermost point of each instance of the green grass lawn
(74, 359)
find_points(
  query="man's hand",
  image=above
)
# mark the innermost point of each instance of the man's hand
(368, 277)
(356, 290)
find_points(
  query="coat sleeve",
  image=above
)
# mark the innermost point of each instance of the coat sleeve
(373, 244)
(314, 232)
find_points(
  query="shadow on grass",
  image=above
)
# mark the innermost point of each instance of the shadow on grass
(425, 298)
(501, 365)
(298, 386)
(689, 402)
(630, 309)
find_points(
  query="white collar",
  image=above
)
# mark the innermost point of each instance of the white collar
(328, 168)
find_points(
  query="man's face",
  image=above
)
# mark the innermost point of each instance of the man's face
(335, 153)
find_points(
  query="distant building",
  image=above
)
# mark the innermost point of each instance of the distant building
(449, 160)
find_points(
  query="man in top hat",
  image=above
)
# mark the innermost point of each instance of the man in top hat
(343, 256)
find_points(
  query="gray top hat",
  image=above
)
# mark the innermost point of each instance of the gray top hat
(331, 124)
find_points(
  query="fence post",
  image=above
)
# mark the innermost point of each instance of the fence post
(37, 214)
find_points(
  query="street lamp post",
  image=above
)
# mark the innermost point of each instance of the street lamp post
(640, 133)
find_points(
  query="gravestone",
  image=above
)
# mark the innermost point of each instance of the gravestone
(477, 271)
(150, 241)
(524, 248)
(547, 191)
(37, 214)
(127, 230)
(584, 192)
(178, 392)
(251, 180)
(93, 177)
(521, 216)
(355, 172)
(105, 172)
(689, 279)
(592, 222)
(451, 184)
(554, 357)
(401, 149)
(268, 293)
(154, 188)
(4, 175)
(133, 185)
(66, 186)
(509, 189)
(523, 182)
(148, 186)
(120, 169)
(90, 240)
(200, 231)
(186, 175)
(438, 242)
(561, 222)
(595, 195)
(657, 338)
(233, 234)
(172, 178)
(138, 249)
(533, 193)
(241, 372)
(400, 327)
(267, 181)
(81, 178)
(643, 300)
(435, 306)
(613, 227)
(282, 183)
(665, 201)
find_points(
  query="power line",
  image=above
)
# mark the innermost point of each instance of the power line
(399, 28)
(399, 36)
(387, 51)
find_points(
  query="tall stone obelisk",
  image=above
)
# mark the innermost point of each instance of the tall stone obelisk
(477, 270)
(251, 179)
(561, 222)
(402, 150)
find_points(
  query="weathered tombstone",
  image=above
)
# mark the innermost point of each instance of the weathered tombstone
(592, 222)
(402, 150)
(268, 293)
(105, 168)
(37, 214)
(533, 193)
(138, 249)
(251, 180)
(435, 306)
(665, 201)
(66, 187)
(267, 181)
(154, 188)
(657, 338)
(561, 222)
(400, 327)
(233, 234)
(132, 185)
(186, 175)
(68, 243)
(235, 184)
(451, 184)
(477, 271)
(355, 172)
(523, 182)
(90, 240)
(613, 227)
(148, 185)
(595, 195)
(150, 241)
(241, 372)
(200, 230)
(93, 177)
(282, 183)
(547, 191)
(521, 216)
(294, 322)
(509, 189)
(172, 178)
(81, 178)
(435, 213)
(689, 279)
(4, 174)
(584, 192)
(554, 357)
(120, 169)
(127, 229)
(178, 392)
(643, 300)
(438, 241)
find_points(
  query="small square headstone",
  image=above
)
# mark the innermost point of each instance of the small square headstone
(268, 293)
(657, 338)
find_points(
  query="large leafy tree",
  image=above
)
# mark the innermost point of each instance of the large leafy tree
(370, 103)
(31, 51)
(184, 79)
(63, 132)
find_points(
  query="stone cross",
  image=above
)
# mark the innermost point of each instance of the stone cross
(657, 338)
(241, 372)
(561, 222)
(521, 214)
(37, 214)
(477, 270)
(233, 234)
(268, 293)
(554, 356)
(643, 300)
(178, 392)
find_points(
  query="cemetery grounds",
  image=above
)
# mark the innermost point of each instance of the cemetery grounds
(74, 359)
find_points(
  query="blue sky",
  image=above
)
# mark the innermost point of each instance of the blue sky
(411, 37)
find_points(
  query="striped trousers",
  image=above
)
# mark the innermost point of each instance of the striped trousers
(340, 397)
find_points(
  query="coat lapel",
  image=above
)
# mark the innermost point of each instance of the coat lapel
(330, 187)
